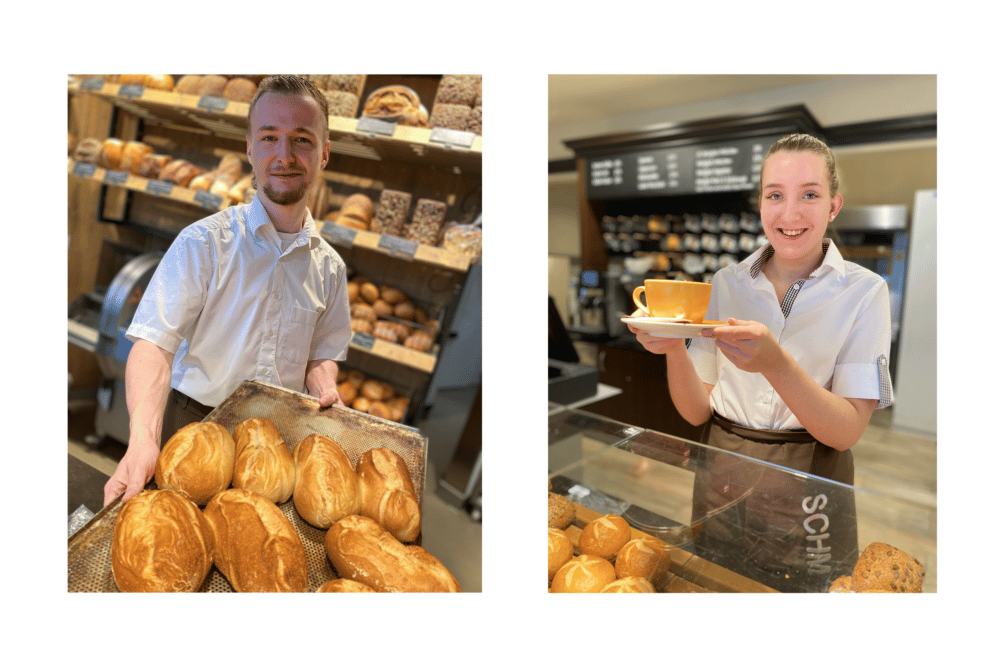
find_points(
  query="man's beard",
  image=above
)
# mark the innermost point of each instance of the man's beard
(286, 197)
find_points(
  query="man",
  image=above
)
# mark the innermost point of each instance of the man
(249, 293)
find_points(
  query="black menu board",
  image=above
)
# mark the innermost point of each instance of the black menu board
(729, 166)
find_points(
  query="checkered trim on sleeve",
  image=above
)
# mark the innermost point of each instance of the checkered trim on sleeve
(884, 383)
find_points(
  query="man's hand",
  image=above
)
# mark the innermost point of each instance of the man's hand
(133, 473)
(321, 382)
(749, 345)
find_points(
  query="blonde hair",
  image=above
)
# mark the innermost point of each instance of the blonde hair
(804, 143)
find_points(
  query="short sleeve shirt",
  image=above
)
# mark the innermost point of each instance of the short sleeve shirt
(835, 323)
(233, 306)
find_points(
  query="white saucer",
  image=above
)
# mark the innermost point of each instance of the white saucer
(666, 327)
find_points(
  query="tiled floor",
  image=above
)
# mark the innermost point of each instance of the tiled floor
(448, 533)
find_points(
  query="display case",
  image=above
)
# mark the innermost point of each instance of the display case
(731, 523)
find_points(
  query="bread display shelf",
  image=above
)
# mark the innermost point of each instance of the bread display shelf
(166, 190)
(228, 118)
(295, 416)
(688, 573)
(393, 246)
(421, 361)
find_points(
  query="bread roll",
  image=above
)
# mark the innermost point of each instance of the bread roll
(361, 550)
(358, 206)
(152, 164)
(386, 331)
(381, 308)
(326, 485)
(379, 409)
(561, 511)
(197, 461)
(369, 292)
(583, 574)
(387, 493)
(419, 340)
(212, 84)
(841, 585)
(348, 392)
(159, 81)
(884, 567)
(646, 558)
(560, 550)
(256, 547)
(363, 311)
(239, 89)
(88, 150)
(629, 585)
(263, 462)
(364, 326)
(111, 153)
(132, 155)
(397, 408)
(345, 586)
(188, 84)
(605, 536)
(161, 543)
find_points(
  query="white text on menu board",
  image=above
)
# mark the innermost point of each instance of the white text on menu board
(713, 170)
(606, 172)
(649, 177)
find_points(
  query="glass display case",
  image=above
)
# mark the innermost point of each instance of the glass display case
(732, 523)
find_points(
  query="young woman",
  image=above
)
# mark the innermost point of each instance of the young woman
(794, 376)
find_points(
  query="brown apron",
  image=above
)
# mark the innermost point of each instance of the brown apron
(181, 411)
(800, 531)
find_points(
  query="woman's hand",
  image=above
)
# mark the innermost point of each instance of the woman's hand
(749, 345)
(654, 344)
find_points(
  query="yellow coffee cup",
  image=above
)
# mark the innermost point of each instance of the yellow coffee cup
(677, 299)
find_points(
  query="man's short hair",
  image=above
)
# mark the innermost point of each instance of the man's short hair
(288, 84)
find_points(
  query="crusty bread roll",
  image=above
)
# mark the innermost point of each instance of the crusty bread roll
(361, 550)
(583, 574)
(560, 550)
(326, 485)
(158, 81)
(212, 84)
(152, 164)
(387, 493)
(348, 392)
(239, 89)
(132, 154)
(561, 511)
(111, 153)
(197, 461)
(369, 292)
(884, 567)
(358, 206)
(419, 340)
(605, 536)
(264, 464)
(345, 586)
(188, 84)
(88, 150)
(629, 585)
(256, 547)
(161, 543)
(646, 558)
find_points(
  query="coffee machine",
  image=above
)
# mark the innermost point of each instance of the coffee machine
(597, 305)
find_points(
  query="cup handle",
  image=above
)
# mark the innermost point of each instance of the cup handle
(635, 297)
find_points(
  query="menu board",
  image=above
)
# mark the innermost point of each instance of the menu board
(729, 166)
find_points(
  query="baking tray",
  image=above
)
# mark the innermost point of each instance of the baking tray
(295, 415)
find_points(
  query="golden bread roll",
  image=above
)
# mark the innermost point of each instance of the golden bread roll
(348, 392)
(397, 408)
(884, 567)
(352, 222)
(239, 89)
(561, 511)
(197, 461)
(230, 169)
(419, 340)
(88, 150)
(583, 574)
(158, 81)
(605, 536)
(629, 585)
(363, 311)
(132, 79)
(560, 550)
(152, 164)
(646, 558)
(369, 292)
(375, 390)
(362, 325)
(391, 295)
(202, 181)
(361, 404)
(358, 206)
(263, 464)
(188, 84)
(238, 192)
(212, 84)
(345, 586)
(386, 331)
(379, 409)
(111, 153)
(387, 493)
(381, 308)
(161, 543)
(352, 292)
(180, 172)
(404, 310)
(326, 485)
(256, 547)
(132, 154)
(356, 377)
(841, 585)
(361, 550)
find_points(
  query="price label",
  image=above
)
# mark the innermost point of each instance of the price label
(361, 339)
(398, 246)
(376, 126)
(84, 169)
(442, 135)
(115, 177)
(92, 84)
(160, 188)
(207, 199)
(131, 90)
(339, 234)
(211, 103)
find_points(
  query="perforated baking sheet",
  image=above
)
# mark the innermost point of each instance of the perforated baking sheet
(295, 416)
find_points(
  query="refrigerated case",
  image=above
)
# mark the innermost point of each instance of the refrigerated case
(731, 523)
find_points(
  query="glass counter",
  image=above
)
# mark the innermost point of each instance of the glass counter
(733, 523)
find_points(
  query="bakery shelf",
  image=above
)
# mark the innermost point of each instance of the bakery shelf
(227, 118)
(164, 189)
(421, 361)
(393, 246)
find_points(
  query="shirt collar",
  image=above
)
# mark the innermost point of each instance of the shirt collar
(257, 217)
(831, 258)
